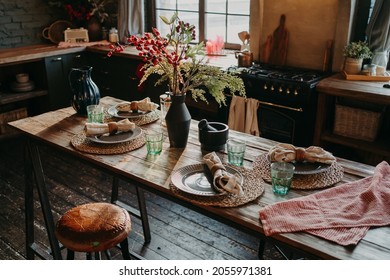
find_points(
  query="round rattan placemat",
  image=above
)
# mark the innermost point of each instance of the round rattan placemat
(253, 187)
(329, 177)
(142, 120)
(81, 143)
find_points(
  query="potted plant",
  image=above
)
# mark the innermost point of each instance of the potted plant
(183, 67)
(354, 54)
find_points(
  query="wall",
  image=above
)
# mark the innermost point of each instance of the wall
(22, 22)
(310, 24)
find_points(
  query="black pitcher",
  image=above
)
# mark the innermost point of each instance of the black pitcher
(85, 91)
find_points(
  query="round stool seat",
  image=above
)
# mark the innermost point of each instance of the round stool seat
(93, 227)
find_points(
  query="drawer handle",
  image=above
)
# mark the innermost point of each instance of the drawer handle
(56, 59)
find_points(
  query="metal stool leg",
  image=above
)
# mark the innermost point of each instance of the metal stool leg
(141, 213)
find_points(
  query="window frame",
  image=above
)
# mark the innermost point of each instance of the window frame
(151, 12)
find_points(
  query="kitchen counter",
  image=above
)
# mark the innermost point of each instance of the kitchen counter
(34, 52)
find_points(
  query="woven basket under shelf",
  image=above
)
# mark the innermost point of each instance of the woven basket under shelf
(356, 123)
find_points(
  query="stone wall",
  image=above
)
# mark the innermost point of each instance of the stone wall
(22, 22)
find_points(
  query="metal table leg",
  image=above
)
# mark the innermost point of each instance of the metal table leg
(34, 174)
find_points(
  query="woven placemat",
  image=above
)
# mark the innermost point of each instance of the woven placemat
(141, 120)
(81, 143)
(253, 187)
(329, 177)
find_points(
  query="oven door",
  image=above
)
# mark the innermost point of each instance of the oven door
(284, 124)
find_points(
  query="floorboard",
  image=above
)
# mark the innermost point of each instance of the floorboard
(177, 232)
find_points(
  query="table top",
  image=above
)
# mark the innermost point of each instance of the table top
(56, 129)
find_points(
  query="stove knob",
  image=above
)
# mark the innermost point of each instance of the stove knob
(288, 91)
(280, 89)
(265, 87)
(295, 92)
(272, 88)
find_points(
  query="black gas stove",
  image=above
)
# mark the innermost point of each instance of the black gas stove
(287, 98)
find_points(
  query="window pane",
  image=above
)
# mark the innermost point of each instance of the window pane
(188, 5)
(215, 25)
(161, 26)
(217, 6)
(191, 18)
(238, 7)
(236, 24)
(166, 4)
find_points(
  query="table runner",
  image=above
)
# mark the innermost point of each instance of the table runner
(342, 214)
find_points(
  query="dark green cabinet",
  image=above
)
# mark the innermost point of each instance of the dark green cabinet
(116, 76)
(57, 71)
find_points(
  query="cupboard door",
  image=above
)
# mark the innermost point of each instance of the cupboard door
(57, 71)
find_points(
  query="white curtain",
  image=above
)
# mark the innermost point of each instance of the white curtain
(130, 18)
(378, 32)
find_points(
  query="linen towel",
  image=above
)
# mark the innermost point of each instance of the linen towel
(342, 214)
(287, 153)
(251, 124)
(222, 180)
(143, 105)
(236, 119)
(97, 129)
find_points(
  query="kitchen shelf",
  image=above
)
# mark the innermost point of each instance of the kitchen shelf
(379, 146)
(368, 94)
(7, 98)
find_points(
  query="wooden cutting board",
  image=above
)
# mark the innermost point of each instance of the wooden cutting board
(277, 44)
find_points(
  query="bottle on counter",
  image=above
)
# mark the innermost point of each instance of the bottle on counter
(113, 35)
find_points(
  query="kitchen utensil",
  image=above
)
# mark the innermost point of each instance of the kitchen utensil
(245, 58)
(55, 32)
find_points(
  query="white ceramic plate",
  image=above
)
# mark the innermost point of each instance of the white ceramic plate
(120, 137)
(197, 180)
(127, 115)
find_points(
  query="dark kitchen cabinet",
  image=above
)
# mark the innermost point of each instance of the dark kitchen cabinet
(57, 71)
(116, 76)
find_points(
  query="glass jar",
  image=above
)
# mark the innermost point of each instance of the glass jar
(113, 35)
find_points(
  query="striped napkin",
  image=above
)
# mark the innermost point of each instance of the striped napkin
(341, 214)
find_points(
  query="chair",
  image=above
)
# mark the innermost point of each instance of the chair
(94, 228)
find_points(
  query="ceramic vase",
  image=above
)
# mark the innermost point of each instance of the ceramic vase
(353, 66)
(85, 91)
(178, 120)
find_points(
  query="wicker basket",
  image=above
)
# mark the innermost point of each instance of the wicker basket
(356, 123)
(9, 117)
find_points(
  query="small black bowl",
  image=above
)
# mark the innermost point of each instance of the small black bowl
(214, 140)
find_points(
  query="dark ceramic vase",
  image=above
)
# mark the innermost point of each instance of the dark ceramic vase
(85, 91)
(94, 28)
(178, 120)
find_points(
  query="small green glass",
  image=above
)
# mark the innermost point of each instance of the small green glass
(154, 141)
(281, 174)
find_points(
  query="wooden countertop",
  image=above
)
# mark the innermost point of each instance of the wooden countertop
(361, 90)
(34, 52)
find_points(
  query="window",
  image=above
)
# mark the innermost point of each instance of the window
(211, 17)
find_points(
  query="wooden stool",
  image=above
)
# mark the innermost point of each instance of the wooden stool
(93, 228)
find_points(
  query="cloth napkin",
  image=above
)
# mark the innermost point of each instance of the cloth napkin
(142, 105)
(341, 214)
(222, 180)
(97, 129)
(287, 153)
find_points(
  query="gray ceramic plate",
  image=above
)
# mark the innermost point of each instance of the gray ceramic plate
(194, 179)
(126, 115)
(120, 137)
(310, 167)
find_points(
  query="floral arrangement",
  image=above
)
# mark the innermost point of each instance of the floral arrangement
(181, 64)
(357, 50)
(83, 10)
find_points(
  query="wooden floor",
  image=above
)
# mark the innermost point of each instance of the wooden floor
(177, 232)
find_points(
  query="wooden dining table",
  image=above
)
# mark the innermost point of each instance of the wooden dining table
(153, 174)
